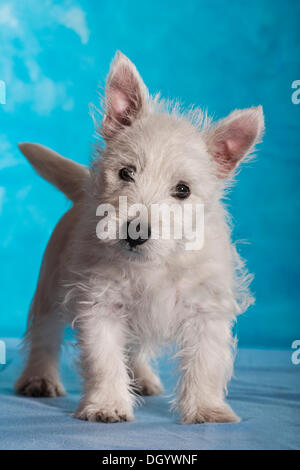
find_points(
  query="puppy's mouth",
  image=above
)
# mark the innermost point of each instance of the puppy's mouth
(133, 250)
(134, 253)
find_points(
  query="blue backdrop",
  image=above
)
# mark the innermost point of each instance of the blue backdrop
(219, 54)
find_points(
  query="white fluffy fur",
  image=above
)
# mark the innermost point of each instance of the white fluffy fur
(123, 305)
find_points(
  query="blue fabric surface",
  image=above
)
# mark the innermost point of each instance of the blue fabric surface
(265, 393)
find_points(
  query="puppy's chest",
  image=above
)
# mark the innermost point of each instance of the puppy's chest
(152, 303)
(156, 303)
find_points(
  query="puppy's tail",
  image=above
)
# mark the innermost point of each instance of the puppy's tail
(67, 175)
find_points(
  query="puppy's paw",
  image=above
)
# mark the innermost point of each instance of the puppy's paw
(39, 387)
(104, 414)
(149, 386)
(220, 414)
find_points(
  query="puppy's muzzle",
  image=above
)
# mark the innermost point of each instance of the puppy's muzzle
(144, 235)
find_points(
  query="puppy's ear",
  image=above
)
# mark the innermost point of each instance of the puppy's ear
(233, 138)
(126, 96)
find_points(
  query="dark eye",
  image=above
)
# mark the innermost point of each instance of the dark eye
(127, 174)
(182, 191)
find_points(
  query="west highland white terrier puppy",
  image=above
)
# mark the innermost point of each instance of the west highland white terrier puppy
(130, 293)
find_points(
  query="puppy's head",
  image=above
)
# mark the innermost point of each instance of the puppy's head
(163, 158)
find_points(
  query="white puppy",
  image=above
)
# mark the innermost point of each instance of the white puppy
(126, 297)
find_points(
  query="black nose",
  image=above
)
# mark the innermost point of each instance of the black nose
(144, 235)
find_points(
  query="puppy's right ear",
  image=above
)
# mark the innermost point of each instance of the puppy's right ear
(126, 96)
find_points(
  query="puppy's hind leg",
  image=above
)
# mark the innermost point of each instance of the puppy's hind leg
(44, 334)
(146, 382)
(40, 377)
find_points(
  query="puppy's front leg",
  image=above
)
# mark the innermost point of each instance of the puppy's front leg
(206, 364)
(107, 396)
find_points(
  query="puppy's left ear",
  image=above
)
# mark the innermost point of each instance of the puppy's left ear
(233, 138)
(126, 96)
